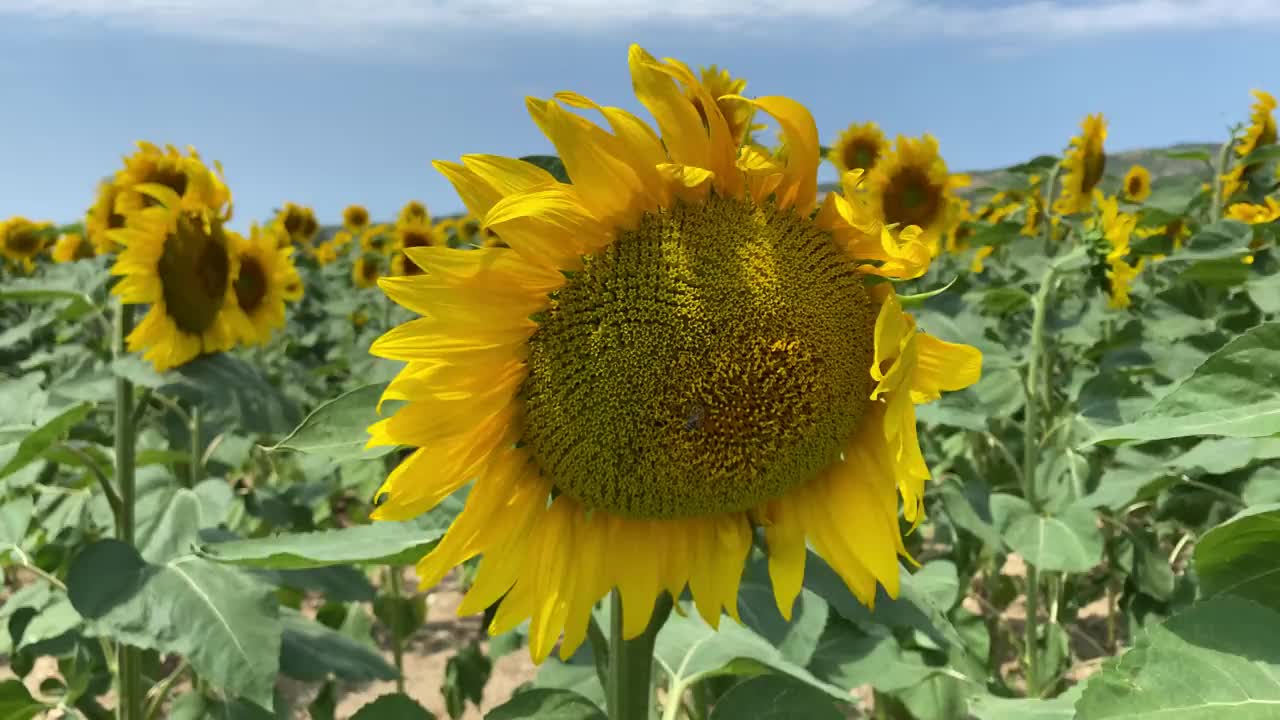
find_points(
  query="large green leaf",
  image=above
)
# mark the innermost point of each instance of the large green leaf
(223, 621)
(224, 384)
(311, 652)
(42, 437)
(1217, 661)
(546, 703)
(338, 428)
(795, 639)
(689, 650)
(383, 543)
(1235, 393)
(774, 697)
(1242, 557)
(1068, 541)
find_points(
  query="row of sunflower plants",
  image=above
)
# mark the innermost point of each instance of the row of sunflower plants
(1097, 539)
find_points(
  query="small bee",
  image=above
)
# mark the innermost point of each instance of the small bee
(694, 421)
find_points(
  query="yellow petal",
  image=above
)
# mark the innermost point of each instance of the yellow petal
(942, 365)
(678, 121)
(475, 193)
(800, 189)
(786, 538)
(550, 228)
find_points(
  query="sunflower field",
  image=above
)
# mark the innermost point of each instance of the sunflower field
(688, 434)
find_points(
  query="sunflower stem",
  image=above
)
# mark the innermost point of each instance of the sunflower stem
(397, 642)
(197, 451)
(1219, 168)
(1034, 387)
(129, 679)
(630, 687)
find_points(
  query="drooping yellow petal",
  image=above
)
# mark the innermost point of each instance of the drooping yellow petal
(635, 571)
(942, 365)
(785, 534)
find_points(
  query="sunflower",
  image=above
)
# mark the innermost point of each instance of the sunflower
(1082, 166)
(180, 262)
(71, 247)
(297, 225)
(267, 278)
(911, 186)
(1120, 276)
(961, 226)
(22, 240)
(1176, 231)
(1117, 226)
(411, 236)
(737, 114)
(326, 253)
(1255, 214)
(186, 175)
(414, 212)
(379, 239)
(491, 240)
(859, 147)
(676, 348)
(341, 239)
(103, 217)
(977, 266)
(468, 229)
(366, 270)
(1137, 184)
(355, 218)
(1262, 124)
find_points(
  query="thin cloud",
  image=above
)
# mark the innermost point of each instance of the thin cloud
(334, 24)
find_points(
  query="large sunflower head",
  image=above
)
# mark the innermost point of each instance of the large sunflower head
(1137, 184)
(267, 278)
(179, 262)
(911, 186)
(355, 218)
(197, 186)
(859, 147)
(71, 247)
(1083, 166)
(103, 217)
(1262, 124)
(414, 212)
(22, 240)
(676, 348)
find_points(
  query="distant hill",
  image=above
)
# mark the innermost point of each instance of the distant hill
(1157, 160)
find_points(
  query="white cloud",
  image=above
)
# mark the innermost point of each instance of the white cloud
(331, 23)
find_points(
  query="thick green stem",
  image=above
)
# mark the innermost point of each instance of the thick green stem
(1219, 169)
(1030, 459)
(197, 448)
(130, 693)
(397, 642)
(630, 687)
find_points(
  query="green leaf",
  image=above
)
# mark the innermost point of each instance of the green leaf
(382, 543)
(338, 429)
(795, 639)
(774, 697)
(16, 702)
(44, 436)
(15, 518)
(546, 703)
(168, 520)
(916, 300)
(1242, 557)
(465, 675)
(1066, 542)
(690, 650)
(223, 383)
(224, 622)
(42, 290)
(912, 608)
(1216, 661)
(551, 164)
(311, 652)
(58, 618)
(1005, 300)
(396, 706)
(1261, 154)
(1234, 393)
(850, 656)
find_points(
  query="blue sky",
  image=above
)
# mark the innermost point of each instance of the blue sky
(327, 103)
